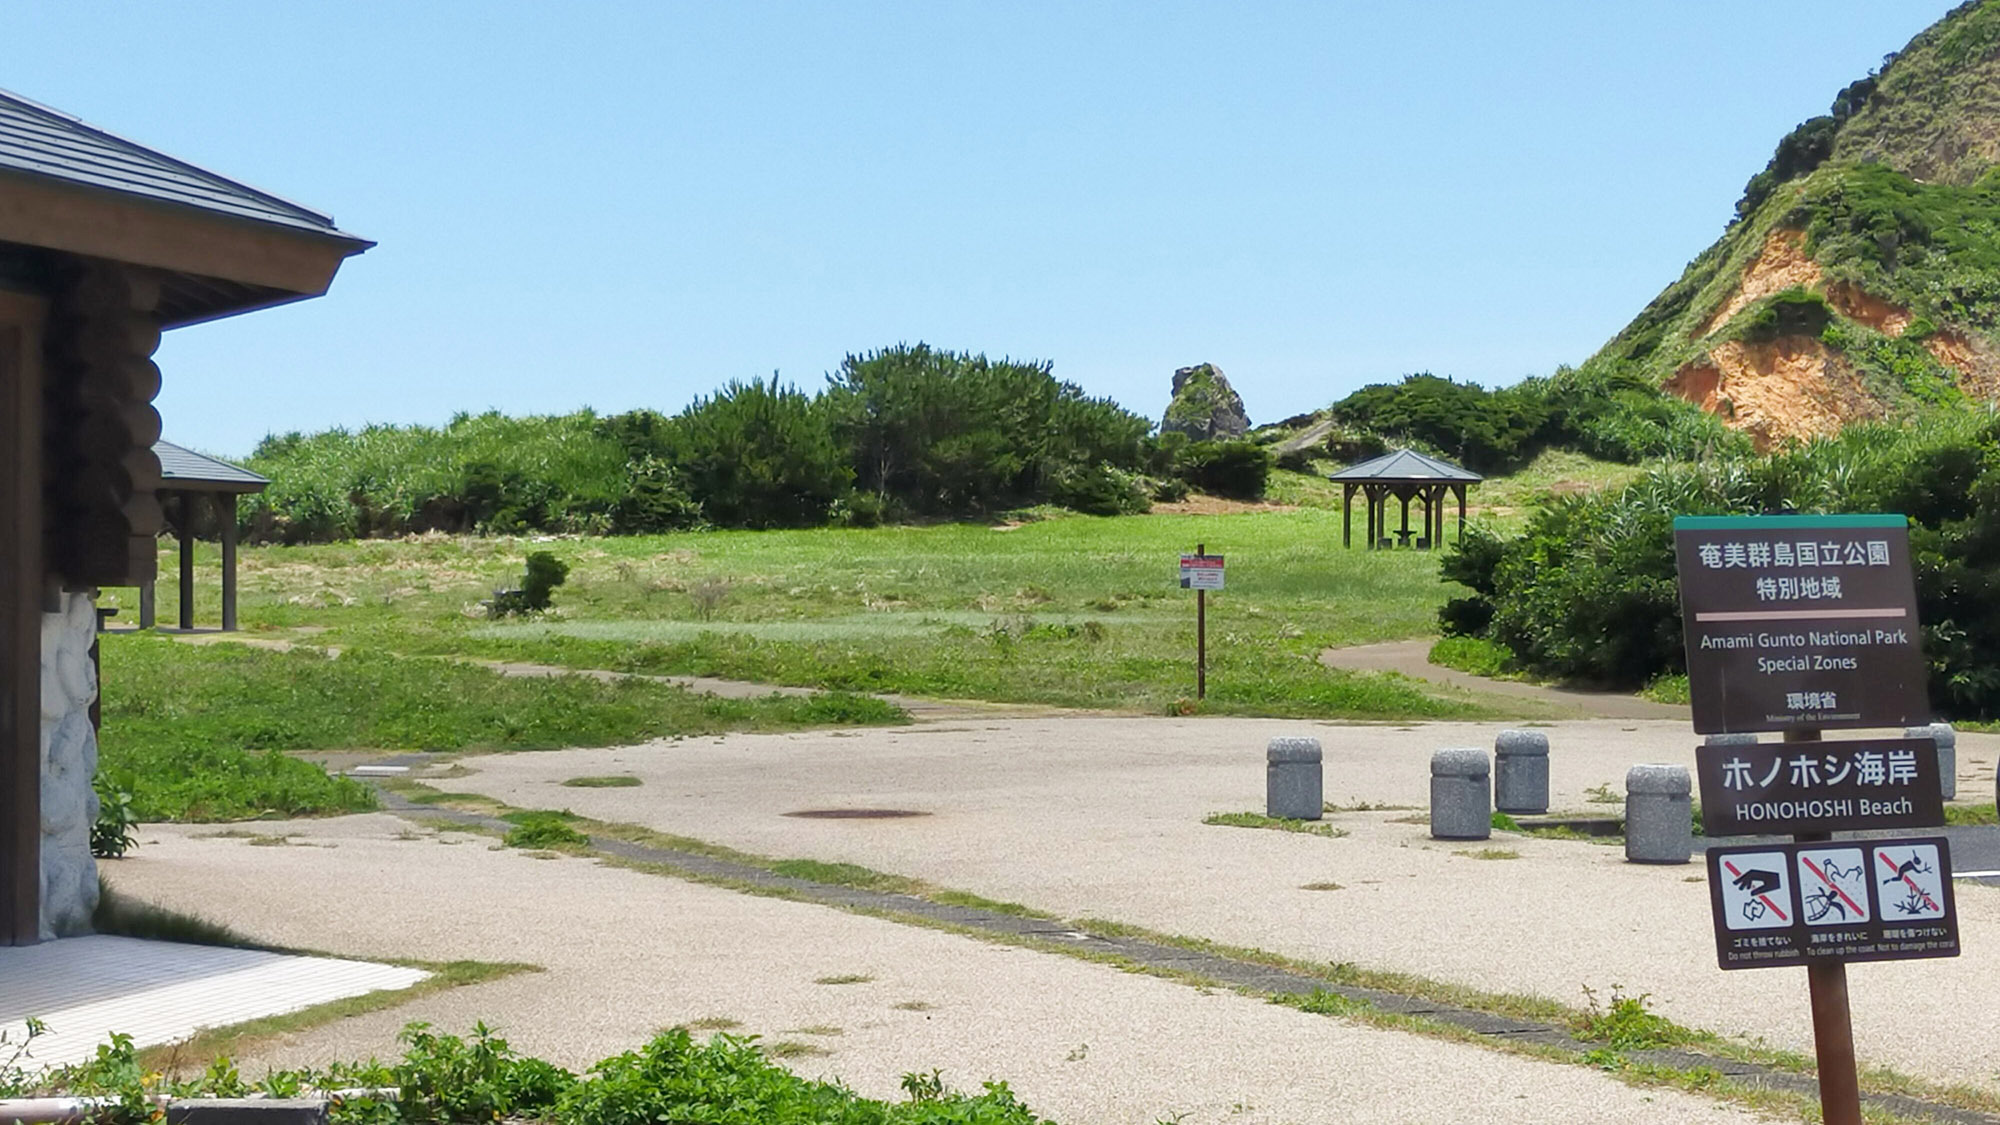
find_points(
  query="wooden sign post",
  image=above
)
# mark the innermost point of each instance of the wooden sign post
(1800, 624)
(1201, 572)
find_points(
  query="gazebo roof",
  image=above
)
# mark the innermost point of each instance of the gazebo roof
(1404, 465)
(183, 469)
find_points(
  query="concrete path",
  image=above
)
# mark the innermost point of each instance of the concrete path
(1412, 658)
(160, 992)
(1102, 818)
(626, 953)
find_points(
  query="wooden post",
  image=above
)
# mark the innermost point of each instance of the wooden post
(226, 511)
(1373, 538)
(1832, 1017)
(22, 588)
(1460, 489)
(148, 611)
(1201, 635)
(1347, 515)
(186, 509)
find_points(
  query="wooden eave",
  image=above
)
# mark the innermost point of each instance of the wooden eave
(217, 265)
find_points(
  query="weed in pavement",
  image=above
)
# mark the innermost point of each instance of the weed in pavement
(615, 781)
(544, 830)
(1488, 853)
(845, 978)
(1282, 824)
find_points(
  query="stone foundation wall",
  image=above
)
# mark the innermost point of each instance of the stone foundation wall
(69, 763)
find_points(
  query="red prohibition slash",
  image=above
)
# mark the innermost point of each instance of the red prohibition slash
(1832, 886)
(1765, 899)
(1893, 869)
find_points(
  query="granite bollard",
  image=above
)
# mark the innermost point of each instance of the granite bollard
(1659, 814)
(1461, 797)
(1293, 785)
(1521, 772)
(1946, 740)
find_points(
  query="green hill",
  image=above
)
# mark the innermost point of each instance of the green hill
(1861, 278)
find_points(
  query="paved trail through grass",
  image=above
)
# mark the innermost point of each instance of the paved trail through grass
(1412, 659)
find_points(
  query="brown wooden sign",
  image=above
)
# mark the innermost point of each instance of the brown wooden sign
(1833, 900)
(1786, 787)
(1797, 623)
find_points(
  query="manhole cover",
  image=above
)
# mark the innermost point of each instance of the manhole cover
(855, 814)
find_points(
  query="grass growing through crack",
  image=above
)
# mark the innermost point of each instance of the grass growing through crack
(844, 978)
(615, 781)
(1281, 824)
(1488, 853)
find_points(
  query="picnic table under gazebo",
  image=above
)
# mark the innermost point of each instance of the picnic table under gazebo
(1404, 475)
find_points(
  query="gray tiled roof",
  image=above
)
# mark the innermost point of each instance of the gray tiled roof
(180, 465)
(1404, 464)
(39, 141)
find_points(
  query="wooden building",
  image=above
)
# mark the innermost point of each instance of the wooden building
(104, 244)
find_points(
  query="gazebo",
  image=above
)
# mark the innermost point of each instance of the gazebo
(103, 245)
(1405, 475)
(187, 479)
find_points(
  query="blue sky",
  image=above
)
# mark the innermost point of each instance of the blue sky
(626, 204)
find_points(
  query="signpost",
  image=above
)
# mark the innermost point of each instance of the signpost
(1801, 624)
(1201, 572)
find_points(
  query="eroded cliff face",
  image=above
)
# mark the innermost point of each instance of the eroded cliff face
(1777, 390)
(1795, 387)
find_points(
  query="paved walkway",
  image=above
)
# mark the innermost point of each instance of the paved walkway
(860, 999)
(1412, 658)
(1102, 818)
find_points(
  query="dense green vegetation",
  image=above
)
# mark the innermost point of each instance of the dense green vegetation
(909, 432)
(1607, 414)
(1588, 590)
(202, 732)
(443, 1079)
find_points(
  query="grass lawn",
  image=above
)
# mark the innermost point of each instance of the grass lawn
(1073, 611)
(198, 732)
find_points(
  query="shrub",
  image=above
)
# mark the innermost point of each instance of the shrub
(942, 433)
(759, 455)
(1236, 469)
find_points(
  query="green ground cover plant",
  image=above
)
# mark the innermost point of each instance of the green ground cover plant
(1068, 611)
(445, 1079)
(203, 732)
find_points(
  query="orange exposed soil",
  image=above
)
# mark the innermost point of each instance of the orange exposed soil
(1781, 265)
(1856, 304)
(1789, 388)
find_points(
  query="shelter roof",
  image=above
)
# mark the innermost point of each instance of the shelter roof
(68, 187)
(1404, 465)
(183, 468)
(41, 141)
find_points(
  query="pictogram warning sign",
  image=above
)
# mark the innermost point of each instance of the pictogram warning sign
(1833, 885)
(1755, 892)
(1912, 881)
(1882, 900)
